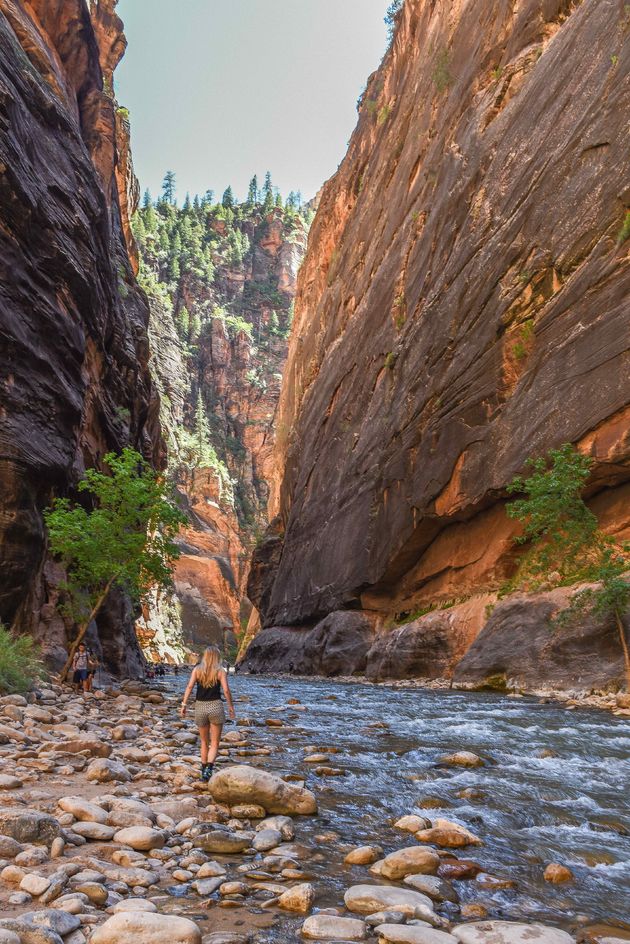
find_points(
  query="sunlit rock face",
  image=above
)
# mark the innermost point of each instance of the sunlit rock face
(237, 374)
(74, 379)
(462, 306)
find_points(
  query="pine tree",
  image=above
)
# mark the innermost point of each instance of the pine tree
(187, 207)
(228, 199)
(183, 323)
(252, 193)
(168, 187)
(139, 229)
(278, 200)
(195, 327)
(267, 186)
(208, 198)
(150, 218)
(147, 201)
(196, 203)
(201, 426)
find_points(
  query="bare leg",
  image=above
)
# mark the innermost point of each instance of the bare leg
(215, 735)
(204, 734)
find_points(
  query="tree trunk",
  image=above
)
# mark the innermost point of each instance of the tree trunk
(83, 628)
(624, 646)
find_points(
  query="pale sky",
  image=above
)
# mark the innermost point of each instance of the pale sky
(221, 89)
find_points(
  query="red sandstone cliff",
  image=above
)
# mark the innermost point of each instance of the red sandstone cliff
(74, 379)
(463, 305)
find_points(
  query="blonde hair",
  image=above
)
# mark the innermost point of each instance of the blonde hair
(210, 666)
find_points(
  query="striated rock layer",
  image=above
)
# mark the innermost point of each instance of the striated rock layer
(462, 306)
(74, 379)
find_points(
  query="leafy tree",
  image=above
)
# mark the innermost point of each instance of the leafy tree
(20, 664)
(556, 521)
(168, 187)
(228, 199)
(566, 543)
(125, 541)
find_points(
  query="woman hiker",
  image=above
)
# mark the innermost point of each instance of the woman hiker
(210, 678)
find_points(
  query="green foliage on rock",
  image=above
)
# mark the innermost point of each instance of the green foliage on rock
(20, 664)
(124, 538)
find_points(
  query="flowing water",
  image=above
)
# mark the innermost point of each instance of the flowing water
(555, 787)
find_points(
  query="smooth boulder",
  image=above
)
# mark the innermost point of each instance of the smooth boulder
(411, 861)
(140, 838)
(243, 784)
(509, 932)
(145, 927)
(407, 934)
(368, 899)
(324, 927)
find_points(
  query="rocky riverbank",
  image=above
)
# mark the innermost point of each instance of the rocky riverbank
(106, 834)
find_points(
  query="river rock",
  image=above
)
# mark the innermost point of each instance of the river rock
(56, 919)
(267, 839)
(462, 759)
(449, 835)
(9, 847)
(366, 899)
(412, 824)
(132, 904)
(83, 810)
(406, 934)
(244, 784)
(324, 927)
(248, 811)
(7, 782)
(83, 745)
(363, 855)
(509, 932)
(436, 888)
(298, 899)
(556, 873)
(222, 842)
(27, 825)
(8, 937)
(411, 861)
(34, 884)
(283, 823)
(140, 838)
(144, 927)
(98, 832)
(103, 770)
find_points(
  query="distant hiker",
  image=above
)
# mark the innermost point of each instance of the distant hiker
(80, 669)
(211, 679)
(92, 667)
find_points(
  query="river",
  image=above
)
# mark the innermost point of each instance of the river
(555, 787)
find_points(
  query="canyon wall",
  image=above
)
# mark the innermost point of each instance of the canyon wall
(463, 305)
(74, 377)
(221, 282)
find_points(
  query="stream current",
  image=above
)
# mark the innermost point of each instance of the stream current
(555, 787)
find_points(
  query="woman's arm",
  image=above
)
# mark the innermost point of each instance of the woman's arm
(187, 693)
(225, 685)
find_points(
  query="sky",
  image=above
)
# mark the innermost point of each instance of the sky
(219, 90)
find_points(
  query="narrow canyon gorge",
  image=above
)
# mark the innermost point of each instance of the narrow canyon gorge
(341, 439)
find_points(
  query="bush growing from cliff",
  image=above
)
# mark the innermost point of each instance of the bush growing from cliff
(20, 664)
(565, 543)
(126, 540)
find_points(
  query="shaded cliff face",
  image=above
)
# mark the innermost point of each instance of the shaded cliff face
(221, 282)
(74, 379)
(462, 306)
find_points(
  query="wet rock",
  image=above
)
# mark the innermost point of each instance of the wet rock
(404, 934)
(412, 824)
(509, 932)
(298, 899)
(448, 835)
(366, 899)
(556, 873)
(222, 842)
(207, 886)
(363, 855)
(249, 785)
(283, 823)
(324, 927)
(412, 861)
(462, 759)
(267, 839)
(146, 928)
(103, 770)
(458, 869)
(436, 888)
(140, 838)
(27, 825)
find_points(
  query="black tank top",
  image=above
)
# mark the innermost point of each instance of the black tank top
(211, 693)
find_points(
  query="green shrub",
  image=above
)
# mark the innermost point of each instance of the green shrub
(624, 232)
(20, 665)
(441, 74)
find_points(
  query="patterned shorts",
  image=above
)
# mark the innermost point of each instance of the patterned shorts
(209, 712)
